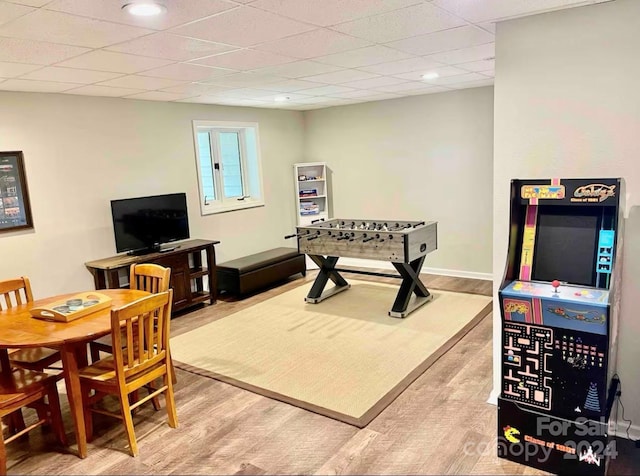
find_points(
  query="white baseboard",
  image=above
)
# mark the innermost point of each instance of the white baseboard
(621, 430)
(369, 263)
(493, 397)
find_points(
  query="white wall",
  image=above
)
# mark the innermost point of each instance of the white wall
(81, 152)
(426, 157)
(567, 104)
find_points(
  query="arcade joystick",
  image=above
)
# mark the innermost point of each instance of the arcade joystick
(556, 284)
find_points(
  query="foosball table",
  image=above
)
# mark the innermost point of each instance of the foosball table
(403, 243)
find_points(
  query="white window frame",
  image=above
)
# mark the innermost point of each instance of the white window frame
(253, 189)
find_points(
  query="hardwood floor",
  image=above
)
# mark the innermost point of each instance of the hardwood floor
(226, 430)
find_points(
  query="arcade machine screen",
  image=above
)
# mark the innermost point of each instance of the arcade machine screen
(568, 245)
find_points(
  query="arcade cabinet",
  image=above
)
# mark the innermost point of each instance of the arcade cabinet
(559, 302)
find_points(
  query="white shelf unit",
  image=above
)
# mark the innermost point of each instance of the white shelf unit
(312, 192)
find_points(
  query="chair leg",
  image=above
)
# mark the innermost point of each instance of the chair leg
(16, 422)
(3, 457)
(170, 401)
(95, 352)
(125, 408)
(56, 415)
(174, 380)
(88, 414)
(155, 400)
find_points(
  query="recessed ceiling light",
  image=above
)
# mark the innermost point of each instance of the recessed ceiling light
(430, 75)
(144, 9)
(281, 98)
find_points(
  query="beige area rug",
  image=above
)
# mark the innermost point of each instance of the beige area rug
(344, 357)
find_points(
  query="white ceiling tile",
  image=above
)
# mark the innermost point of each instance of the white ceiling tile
(186, 72)
(458, 78)
(412, 21)
(194, 89)
(315, 100)
(489, 73)
(465, 55)
(244, 60)
(178, 11)
(244, 80)
(452, 39)
(157, 96)
(100, 60)
(363, 56)
(314, 43)
(11, 70)
(356, 93)
(420, 92)
(488, 26)
(45, 25)
(380, 97)
(11, 11)
(472, 84)
(168, 46)
(330, 12)
(30, 3)
(483, 10)
(478, 66)
(404, 66)
(338, 77)
(373, 83)
(69, 75)
(299, 69)
(36, 52)
(249, 93)
(326, 90)
(141, 82)
(290, 85)
(244, 26)
(405, 87)
(95, 90)
(35, 86)
(268, 96)
(443, 72)
(229, 101)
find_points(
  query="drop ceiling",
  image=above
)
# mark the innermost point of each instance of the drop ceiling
(286, 54)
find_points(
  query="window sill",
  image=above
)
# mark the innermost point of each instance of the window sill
(214, 209)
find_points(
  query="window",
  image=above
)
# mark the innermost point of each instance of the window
(228, 162)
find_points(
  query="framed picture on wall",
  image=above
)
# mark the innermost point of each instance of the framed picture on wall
(15, 209)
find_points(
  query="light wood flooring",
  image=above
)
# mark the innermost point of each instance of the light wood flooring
(225, 430)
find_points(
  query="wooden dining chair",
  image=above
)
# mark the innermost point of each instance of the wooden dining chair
(139, 358)
(20, 388)
(16, 292)
(148, 277)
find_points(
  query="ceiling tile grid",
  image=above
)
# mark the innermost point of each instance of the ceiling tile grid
(288, 54)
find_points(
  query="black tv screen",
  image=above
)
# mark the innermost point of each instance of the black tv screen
(565, 248)
(144, 223)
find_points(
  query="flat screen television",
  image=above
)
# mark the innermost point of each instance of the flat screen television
(142, 224)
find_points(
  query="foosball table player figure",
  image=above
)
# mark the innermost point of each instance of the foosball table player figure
(404, 243)
(559, 305)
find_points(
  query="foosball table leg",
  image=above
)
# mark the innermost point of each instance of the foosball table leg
(411, 284)
(327, 272)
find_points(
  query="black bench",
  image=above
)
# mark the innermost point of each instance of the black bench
(250, 273)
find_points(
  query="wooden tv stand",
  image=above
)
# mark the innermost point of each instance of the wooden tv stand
(188, 274)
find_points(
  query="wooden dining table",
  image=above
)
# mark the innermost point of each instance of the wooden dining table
(18, 329)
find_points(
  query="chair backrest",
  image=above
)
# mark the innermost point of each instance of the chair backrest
(15, 292)
(140, 334)
(149, 277)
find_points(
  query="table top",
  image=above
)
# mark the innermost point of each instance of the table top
(19, 329)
